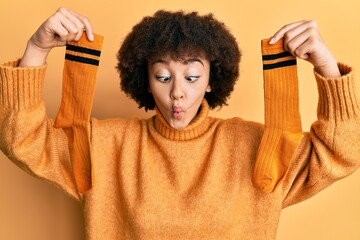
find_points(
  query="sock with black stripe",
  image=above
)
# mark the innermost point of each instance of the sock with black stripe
(283, 131)
(79, 75)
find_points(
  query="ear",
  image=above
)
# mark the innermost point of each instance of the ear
(208, 88)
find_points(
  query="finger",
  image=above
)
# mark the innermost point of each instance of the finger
(294, 32)
(303, 44)
(295, 41)
(86, 25)
(281, 32)
(303, 51)
(58, 28)
(70, 27)
(75, 21)
(58, 33)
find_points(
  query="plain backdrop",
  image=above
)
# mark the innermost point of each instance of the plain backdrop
(34, 210)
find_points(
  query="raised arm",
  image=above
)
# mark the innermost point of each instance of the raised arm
(27, 136)
(331, 150)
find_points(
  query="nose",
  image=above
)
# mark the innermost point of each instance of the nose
(176, 92)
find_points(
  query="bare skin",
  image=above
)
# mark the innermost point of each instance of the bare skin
(178, 88)
(302, 39)
(63, 26)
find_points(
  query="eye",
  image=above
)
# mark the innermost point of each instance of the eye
(192, 78)
(163, 78)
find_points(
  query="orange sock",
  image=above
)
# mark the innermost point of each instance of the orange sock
(283, 130)
(79, 75)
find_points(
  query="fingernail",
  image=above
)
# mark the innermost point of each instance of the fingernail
(92, 37)
(272, 41)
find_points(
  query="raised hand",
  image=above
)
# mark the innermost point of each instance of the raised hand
(63, 26)
(303, 40)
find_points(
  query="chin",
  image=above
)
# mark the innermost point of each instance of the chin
(179, 126)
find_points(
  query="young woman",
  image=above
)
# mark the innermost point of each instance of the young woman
(180, 174)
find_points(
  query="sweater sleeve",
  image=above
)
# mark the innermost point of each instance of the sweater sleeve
(27, 135)
(331, 150)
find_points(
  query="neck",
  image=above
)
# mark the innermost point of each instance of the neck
(198, 126)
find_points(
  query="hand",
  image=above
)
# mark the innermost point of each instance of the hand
(63, 26)
(302, 39)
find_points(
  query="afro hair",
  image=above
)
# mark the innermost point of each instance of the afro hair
(178, 35)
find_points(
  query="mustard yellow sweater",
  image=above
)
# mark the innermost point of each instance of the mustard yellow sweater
(153, 182)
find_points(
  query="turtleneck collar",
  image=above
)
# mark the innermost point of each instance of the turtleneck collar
(198, 126)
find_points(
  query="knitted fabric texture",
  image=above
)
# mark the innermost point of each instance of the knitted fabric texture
(283, 131)
(80, 68)
(155, 182)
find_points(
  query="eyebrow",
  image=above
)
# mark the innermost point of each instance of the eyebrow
(186, 61)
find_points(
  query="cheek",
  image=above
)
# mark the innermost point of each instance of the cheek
(153, 87)
(196, 93)
(150, 85)
(158, 92)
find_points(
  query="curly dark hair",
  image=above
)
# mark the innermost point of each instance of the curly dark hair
(178, 35)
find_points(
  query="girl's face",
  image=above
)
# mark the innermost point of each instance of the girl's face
(178, 88)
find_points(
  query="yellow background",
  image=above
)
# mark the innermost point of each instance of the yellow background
(31, 209)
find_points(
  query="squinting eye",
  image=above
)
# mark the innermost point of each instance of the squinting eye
(163, 78)
(192, 78)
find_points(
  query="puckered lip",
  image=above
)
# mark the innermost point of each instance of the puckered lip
(177, 109)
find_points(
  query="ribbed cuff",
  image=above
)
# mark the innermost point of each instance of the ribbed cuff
(20, 87)
(338, 99)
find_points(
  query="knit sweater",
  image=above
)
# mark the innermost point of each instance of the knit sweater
(151, 181)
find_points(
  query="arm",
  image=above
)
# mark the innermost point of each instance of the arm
(330, 151)
(27, 136)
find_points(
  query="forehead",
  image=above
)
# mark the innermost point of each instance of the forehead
(184, 61)
(177, 55)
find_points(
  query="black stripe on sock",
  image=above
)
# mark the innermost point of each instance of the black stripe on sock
(275, 56)
(81, 59)
(279, 64)
(83, 50)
